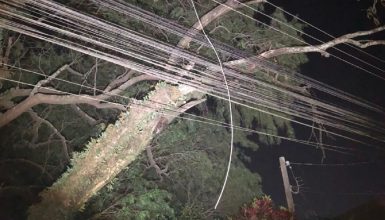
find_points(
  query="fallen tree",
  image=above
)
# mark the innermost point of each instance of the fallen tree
(119, 145)
(106, 156)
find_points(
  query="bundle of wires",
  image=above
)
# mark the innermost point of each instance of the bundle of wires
(59, 24)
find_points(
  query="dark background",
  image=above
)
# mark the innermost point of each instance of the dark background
(331, 190)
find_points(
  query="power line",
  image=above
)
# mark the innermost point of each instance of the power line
(163, 104)
(230, 109)
(195, 35)
(286, 34)
(324, 32)
(335, 164)
(314, 38)
(346, 193)
(348, 120)
(210, 121)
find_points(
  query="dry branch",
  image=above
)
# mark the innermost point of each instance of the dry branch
(39, 98)
(321, 48)
(152, 163)
(4, 59)
(63, 140)
(41, 83)
(211, 16)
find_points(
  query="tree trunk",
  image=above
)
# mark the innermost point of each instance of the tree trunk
(106, 156)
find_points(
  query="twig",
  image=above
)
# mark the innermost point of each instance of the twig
(63, 140)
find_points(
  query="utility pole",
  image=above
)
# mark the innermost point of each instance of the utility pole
(286, 184)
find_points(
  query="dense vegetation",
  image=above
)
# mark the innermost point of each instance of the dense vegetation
(190, 157)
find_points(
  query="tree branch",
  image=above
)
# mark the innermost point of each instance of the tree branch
(151, 160)
(206, 19)
(4, 59)
(119, 80)
(126, 85)
(39, 98)
(48, 79)
(106, 156)
(321, 48)
(183, 108)
(210, 16)
(74, 72)
(63, 140)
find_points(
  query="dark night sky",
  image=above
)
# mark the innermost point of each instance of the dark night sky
(336, 189)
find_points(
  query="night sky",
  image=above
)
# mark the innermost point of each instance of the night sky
(330, 190)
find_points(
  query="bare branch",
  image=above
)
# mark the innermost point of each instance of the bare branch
(345, 39)
(4, 59)
(63, 140)
(6, 97)
(38, 98)
(48, 79)
(183, 108)
(119, 80)
(151, 160)
(126, 85)
(74, 72)
(212, 15)
(206, 19)
(368, 43)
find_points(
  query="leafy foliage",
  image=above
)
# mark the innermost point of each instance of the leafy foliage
(194, 154)
(130, 196)
(263, 208)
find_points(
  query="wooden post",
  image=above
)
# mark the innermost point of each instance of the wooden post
(286, 184)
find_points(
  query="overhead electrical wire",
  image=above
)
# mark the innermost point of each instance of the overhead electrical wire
(298, 39)
(169, 112)
(230, 109)
(144, 54)
(346, 193)
(312, 37)
(327, 110)
(200, 118)
(193, 34)
(164, 104)
(124, 11)
(334, 164)
(129, 99)
(322, 31)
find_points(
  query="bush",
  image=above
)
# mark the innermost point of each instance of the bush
(263, 209)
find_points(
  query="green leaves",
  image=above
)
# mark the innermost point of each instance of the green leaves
(152, 204)
(177, 12)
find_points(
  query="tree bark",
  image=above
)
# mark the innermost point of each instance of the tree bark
(321, 48)
(40, 98)
(105, 157)
(211, 16)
